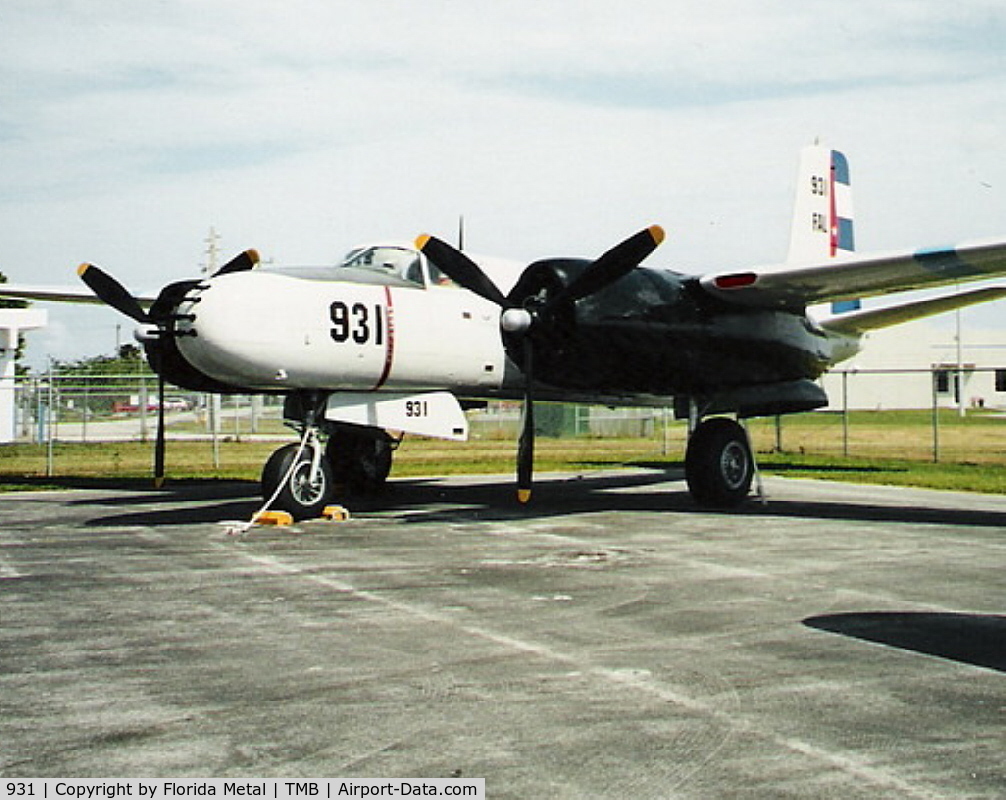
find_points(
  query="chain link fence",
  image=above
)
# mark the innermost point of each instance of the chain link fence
(941, 414)
(104, 408)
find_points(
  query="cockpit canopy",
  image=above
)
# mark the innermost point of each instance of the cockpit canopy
(405, 263)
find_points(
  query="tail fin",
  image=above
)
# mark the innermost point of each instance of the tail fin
(822, 218)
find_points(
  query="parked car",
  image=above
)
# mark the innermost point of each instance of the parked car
(170, 404)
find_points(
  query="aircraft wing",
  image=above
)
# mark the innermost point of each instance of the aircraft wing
(63, 294)
(795, 287)
(860, 321)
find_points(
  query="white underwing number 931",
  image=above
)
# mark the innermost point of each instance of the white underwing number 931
(360, 322)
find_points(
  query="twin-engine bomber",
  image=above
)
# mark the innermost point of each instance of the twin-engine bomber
(399, 339)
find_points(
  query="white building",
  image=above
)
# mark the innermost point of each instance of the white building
(902, 367)
(13, 322)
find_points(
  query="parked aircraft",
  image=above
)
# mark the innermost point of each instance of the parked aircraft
(400, 337)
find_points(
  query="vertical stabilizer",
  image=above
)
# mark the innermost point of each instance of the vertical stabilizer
(823, 217)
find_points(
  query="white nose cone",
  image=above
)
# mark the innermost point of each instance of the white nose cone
(515, 320)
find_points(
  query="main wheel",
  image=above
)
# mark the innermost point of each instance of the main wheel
(303, 496)
(360, 461)
(718, 463)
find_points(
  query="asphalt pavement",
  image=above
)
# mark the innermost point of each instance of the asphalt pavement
(610, 640)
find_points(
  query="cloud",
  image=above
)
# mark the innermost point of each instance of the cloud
(128, 128)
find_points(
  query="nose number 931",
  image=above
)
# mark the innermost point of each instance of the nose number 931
(360, 322)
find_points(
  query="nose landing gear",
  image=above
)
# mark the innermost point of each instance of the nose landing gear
(302, 479)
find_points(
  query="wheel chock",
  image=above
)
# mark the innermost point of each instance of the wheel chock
(277, 518)
(335, 513)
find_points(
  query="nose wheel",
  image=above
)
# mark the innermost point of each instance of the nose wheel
(300, 478)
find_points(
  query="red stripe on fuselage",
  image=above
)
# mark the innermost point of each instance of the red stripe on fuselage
(389, 339)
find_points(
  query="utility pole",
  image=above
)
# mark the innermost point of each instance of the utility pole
(212, 251)
(960, 367)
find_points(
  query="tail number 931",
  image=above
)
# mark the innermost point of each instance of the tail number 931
(360, 322)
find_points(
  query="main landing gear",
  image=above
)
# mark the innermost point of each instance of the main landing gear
(719, 464)
(303, 478)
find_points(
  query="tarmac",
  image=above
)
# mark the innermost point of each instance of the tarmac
(609, 640)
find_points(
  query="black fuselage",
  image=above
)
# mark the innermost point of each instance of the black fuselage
(656, 332)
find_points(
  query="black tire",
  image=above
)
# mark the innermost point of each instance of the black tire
(301, 498)
(719, 466)
(360, 461)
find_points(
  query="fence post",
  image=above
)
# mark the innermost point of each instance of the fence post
(49, 471)
(666, 448)
(845, 413)
(84, 412)
(144, 401)
(213, 402)
(237, 417)
(256, 409)
(936, 419)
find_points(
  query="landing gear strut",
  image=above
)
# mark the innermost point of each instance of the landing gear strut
(297, 478)
(306, 478)
(719, 465)
(302, 478)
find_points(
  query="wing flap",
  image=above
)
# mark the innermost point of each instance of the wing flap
(795, 287)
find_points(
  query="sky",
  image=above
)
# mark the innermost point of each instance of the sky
(129, 127)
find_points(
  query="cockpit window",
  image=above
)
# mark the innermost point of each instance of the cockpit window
(398, 261)
(401, 262)
(438, 278)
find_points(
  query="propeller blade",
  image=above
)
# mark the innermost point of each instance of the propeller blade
(109, 290)
(240, 263)
(159, 443)
(525, 446)
(461, 269)
(616, 263)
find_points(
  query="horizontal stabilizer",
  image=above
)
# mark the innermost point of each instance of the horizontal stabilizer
(795, 287)
(857, 322)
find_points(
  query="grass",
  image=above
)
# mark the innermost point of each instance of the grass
(895, 448)
(960, 477)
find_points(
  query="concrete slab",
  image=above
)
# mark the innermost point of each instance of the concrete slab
(609, 641)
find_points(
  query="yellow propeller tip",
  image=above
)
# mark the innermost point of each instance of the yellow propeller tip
(83, 268)
(657, 233)
(422, 240)
(523, 495)
(253, 255)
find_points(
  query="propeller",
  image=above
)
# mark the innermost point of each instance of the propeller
(113, 293)
(240, 263)
(109, 290)
(525, 322)
(461, 269)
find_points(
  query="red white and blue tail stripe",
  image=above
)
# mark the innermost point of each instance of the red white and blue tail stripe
(823, 226)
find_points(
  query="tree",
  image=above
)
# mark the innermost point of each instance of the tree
(9, 302)
(99, 382)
